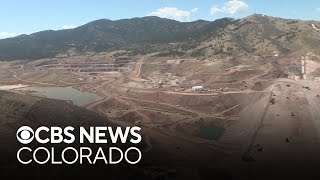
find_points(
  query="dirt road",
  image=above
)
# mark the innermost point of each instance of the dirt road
(314, 105)
(287, 135)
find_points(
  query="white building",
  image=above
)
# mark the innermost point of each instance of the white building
(197, 88)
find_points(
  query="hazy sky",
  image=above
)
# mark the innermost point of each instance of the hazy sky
(25, 17)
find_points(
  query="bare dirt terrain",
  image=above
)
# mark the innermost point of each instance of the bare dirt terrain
(249, 111)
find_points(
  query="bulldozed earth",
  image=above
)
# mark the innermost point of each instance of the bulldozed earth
(250, 114)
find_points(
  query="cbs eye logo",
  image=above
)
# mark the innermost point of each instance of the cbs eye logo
(25, 134)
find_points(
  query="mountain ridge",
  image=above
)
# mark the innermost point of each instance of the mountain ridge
(226, 36)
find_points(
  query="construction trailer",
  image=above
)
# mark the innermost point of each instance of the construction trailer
(197, 88)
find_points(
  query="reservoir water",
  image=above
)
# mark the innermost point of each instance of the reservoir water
(211, 133)
(64, 93)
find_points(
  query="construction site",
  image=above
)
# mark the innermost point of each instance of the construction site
(245, 108)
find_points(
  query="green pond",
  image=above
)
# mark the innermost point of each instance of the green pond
(64, 93)
(211, 133)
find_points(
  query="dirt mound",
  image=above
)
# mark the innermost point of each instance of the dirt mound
(131, 117)
(210, 104)
(231, 77)
(113, 104)
(261, 85)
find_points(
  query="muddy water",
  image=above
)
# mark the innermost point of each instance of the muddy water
(64, 93)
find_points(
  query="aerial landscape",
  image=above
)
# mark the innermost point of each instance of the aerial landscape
(231, 97)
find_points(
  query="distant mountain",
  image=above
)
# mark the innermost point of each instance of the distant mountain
(263, 34)
(253, 34)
